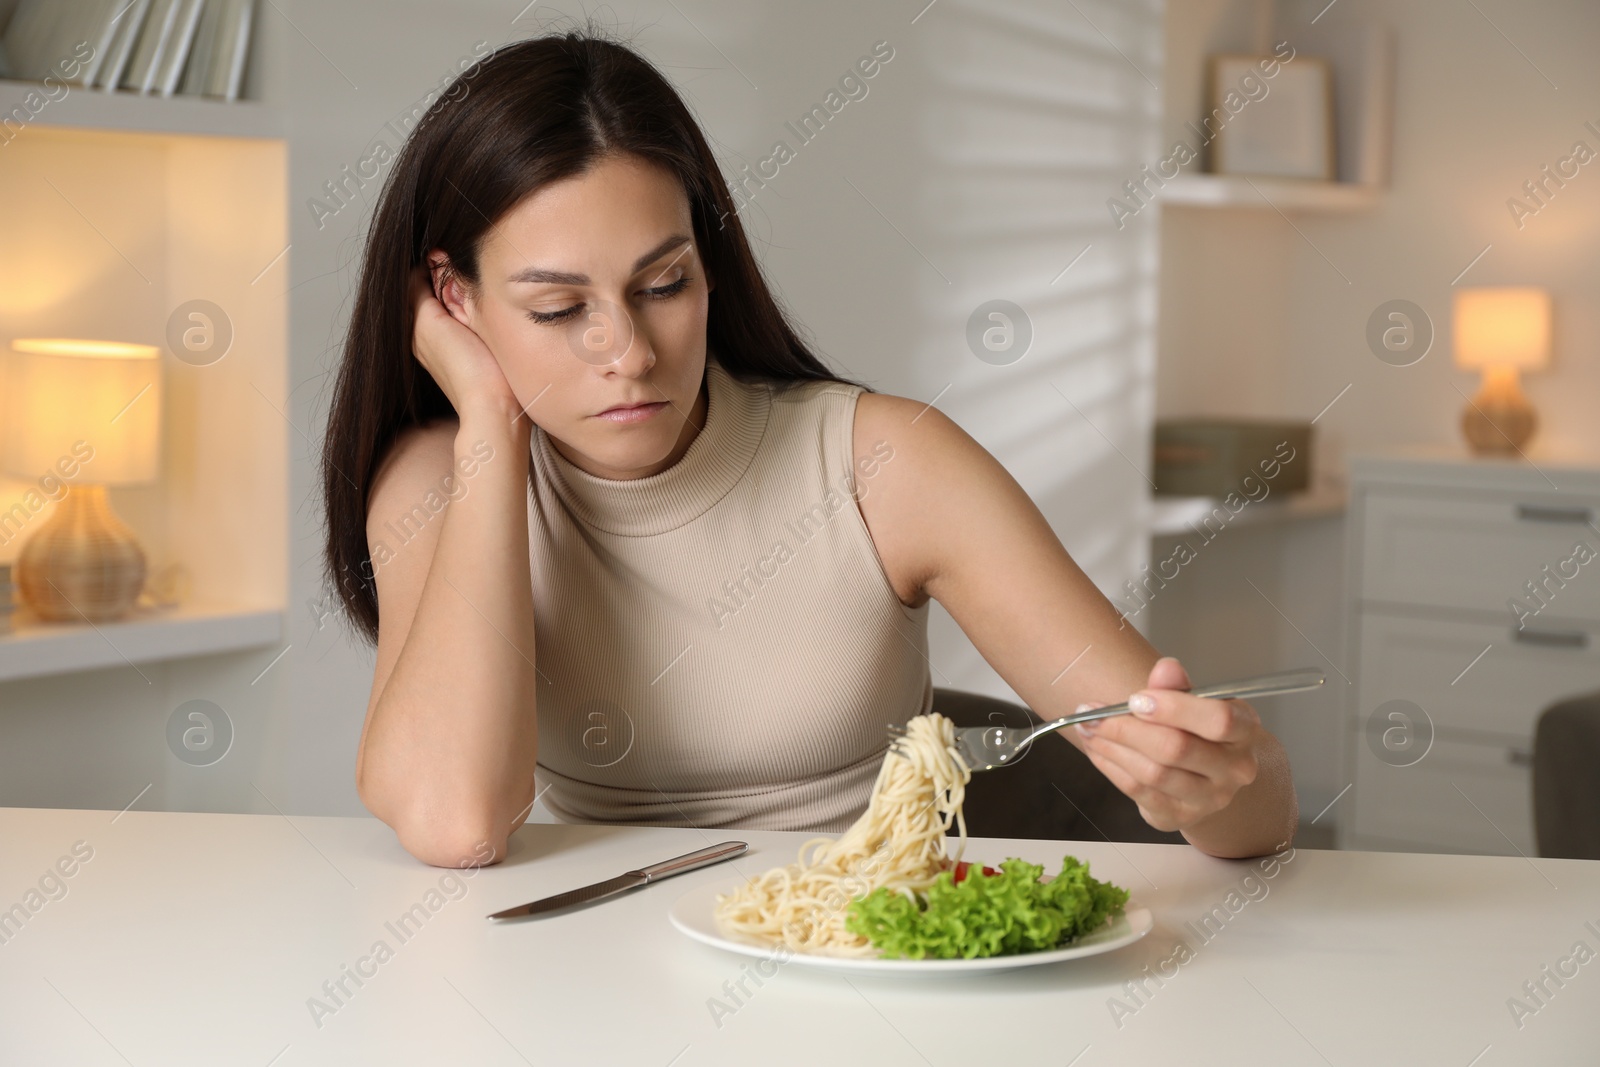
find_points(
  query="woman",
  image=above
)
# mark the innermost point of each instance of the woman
(625, 527)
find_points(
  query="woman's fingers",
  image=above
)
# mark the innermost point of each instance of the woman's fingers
(1160, 810)
(1191, 776)
(1168, 673)
(451, 351)
(1179, 757)
(421, 288)
(1167, 746)
(1215, 720)
(421, 329)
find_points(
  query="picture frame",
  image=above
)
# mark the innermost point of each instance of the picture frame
(1278, 125)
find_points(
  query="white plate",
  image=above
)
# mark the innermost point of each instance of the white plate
(693, 914)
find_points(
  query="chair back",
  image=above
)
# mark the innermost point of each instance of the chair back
(1566, 778)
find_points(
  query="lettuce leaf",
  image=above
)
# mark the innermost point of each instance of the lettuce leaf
(1008, 913)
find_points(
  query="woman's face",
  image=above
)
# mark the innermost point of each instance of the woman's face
(592, 295)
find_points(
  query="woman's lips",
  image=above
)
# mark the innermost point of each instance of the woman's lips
(632, 415)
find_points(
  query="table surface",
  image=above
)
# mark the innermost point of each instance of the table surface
(188, 938)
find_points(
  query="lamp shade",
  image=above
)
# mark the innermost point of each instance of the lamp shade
(105, 394)
(1507, 327)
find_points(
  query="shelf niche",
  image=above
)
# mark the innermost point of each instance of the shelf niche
(111, 230)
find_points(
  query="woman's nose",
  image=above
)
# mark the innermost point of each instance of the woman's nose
(606, 337)
(636, 357)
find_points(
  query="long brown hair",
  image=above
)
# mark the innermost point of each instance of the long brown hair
(529, 113)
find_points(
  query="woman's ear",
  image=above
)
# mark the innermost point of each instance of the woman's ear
(448, 289)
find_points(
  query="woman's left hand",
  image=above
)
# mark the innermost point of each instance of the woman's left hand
(1179, 757)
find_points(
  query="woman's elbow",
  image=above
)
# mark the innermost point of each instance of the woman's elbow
(444, 839)
(450, 847)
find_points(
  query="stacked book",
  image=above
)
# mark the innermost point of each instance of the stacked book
(156, 47)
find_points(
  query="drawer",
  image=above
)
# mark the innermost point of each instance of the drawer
(1522, 673)
(1423, 805)
(1480, 552)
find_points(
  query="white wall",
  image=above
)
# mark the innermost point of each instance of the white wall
(977, 167)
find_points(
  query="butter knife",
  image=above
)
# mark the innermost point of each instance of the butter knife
(629, 880)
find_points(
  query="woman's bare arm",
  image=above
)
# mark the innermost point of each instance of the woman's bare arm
(447, 750)
(448, 747)
(951, 523)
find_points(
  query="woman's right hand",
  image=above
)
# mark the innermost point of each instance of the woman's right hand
(454, 354)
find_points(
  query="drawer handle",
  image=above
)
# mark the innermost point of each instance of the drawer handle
(1519, 757)
(1544, 513)
(1552, 638)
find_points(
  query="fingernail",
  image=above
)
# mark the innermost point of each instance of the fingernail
(1080, 709)
(1085, 729)
(1142, 703)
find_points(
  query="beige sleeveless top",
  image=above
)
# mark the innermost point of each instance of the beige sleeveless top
(718, 644)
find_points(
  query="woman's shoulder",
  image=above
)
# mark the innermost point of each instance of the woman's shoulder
(915, 470)
(925, 464)
(938, 504)
(918, 422)
(875, 415)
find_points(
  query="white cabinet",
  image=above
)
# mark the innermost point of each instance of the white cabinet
(1449, 672)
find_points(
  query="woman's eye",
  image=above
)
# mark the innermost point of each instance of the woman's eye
(554, 316)
(660, 292)
(664, 291)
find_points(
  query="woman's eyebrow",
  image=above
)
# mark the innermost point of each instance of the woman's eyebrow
(535, 275)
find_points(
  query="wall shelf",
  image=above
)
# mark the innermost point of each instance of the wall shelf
(97, 109)
(1172, 516)
(37, 648)
(1285, 194)
(1361, 55)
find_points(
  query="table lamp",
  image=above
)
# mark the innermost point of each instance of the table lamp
(1501, 331)
(82, 415)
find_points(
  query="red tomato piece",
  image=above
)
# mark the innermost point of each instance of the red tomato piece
(961, 871)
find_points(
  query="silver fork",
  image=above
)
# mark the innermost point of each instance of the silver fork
(985, 748)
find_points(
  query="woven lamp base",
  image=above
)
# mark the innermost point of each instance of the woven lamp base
(1499, 421)
(83, 563)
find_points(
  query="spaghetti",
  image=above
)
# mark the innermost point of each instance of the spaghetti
(898, 842)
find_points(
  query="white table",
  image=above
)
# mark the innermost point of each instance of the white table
(199, 939)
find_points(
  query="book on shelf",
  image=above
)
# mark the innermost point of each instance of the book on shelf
(149, 47)
(178, 45)
(228, 77)
(121, 49)
(49, 38)
(26, 35)
(154, 35)
(216, 67)
(203, 50)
